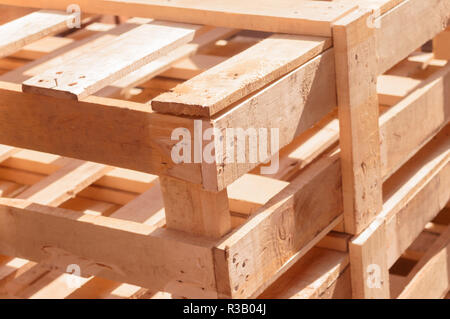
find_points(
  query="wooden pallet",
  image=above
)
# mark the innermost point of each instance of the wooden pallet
(98, 94)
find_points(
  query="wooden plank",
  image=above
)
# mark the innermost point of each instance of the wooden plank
(312, 276)
(397, 38)
(410, 124)
(354, 43)
(418, 192)
(10, 13)
(163, 63)
(285, 16)
(392, 89)
(217, 88)
(167, 260)
(34, 26)
(86, 74)
(191, 209)
(307, 147)
(430, 277)
(141, 131)
(370, 275)
(289, 222)
(65, 183)
(188, 68)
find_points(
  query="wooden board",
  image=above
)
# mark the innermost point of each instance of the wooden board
(88, 73)
(34, 26)
(397, 37)
(286, 16)
(219, 87)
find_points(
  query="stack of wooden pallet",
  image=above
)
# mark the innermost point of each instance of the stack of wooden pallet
(358, 206)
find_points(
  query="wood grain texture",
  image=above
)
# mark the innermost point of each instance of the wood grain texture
(219, 87)
(88, 73)
(285, 16)
(27, 29)
(397, 37)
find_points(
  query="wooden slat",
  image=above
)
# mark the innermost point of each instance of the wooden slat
(237, 77)
(271, 108)
(164, 63)
(370, 275)
(34, 26)
(292, 220)
(86, 74)
(285, 16)
(359, 139)
(319, 274)
(392, 89)
(430, 277)
(141, 131)
(100, 245)
(417, 192)
(410, 124)
(397, 38)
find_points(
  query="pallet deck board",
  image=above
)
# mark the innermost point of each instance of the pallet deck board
(287, 16)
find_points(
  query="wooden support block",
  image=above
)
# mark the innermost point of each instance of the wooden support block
(191, 209)
(370, 274)
(441, 45)
(356, 68)
(88, 73)
(34, 26)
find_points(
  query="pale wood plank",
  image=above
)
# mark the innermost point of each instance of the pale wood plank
(397, 37)
(285, 16)
(34, 26)
(191, 209)
(64, 183)
(88, 73)
(430, 277)
(237, 77)
(250, 192)
(98, 245)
